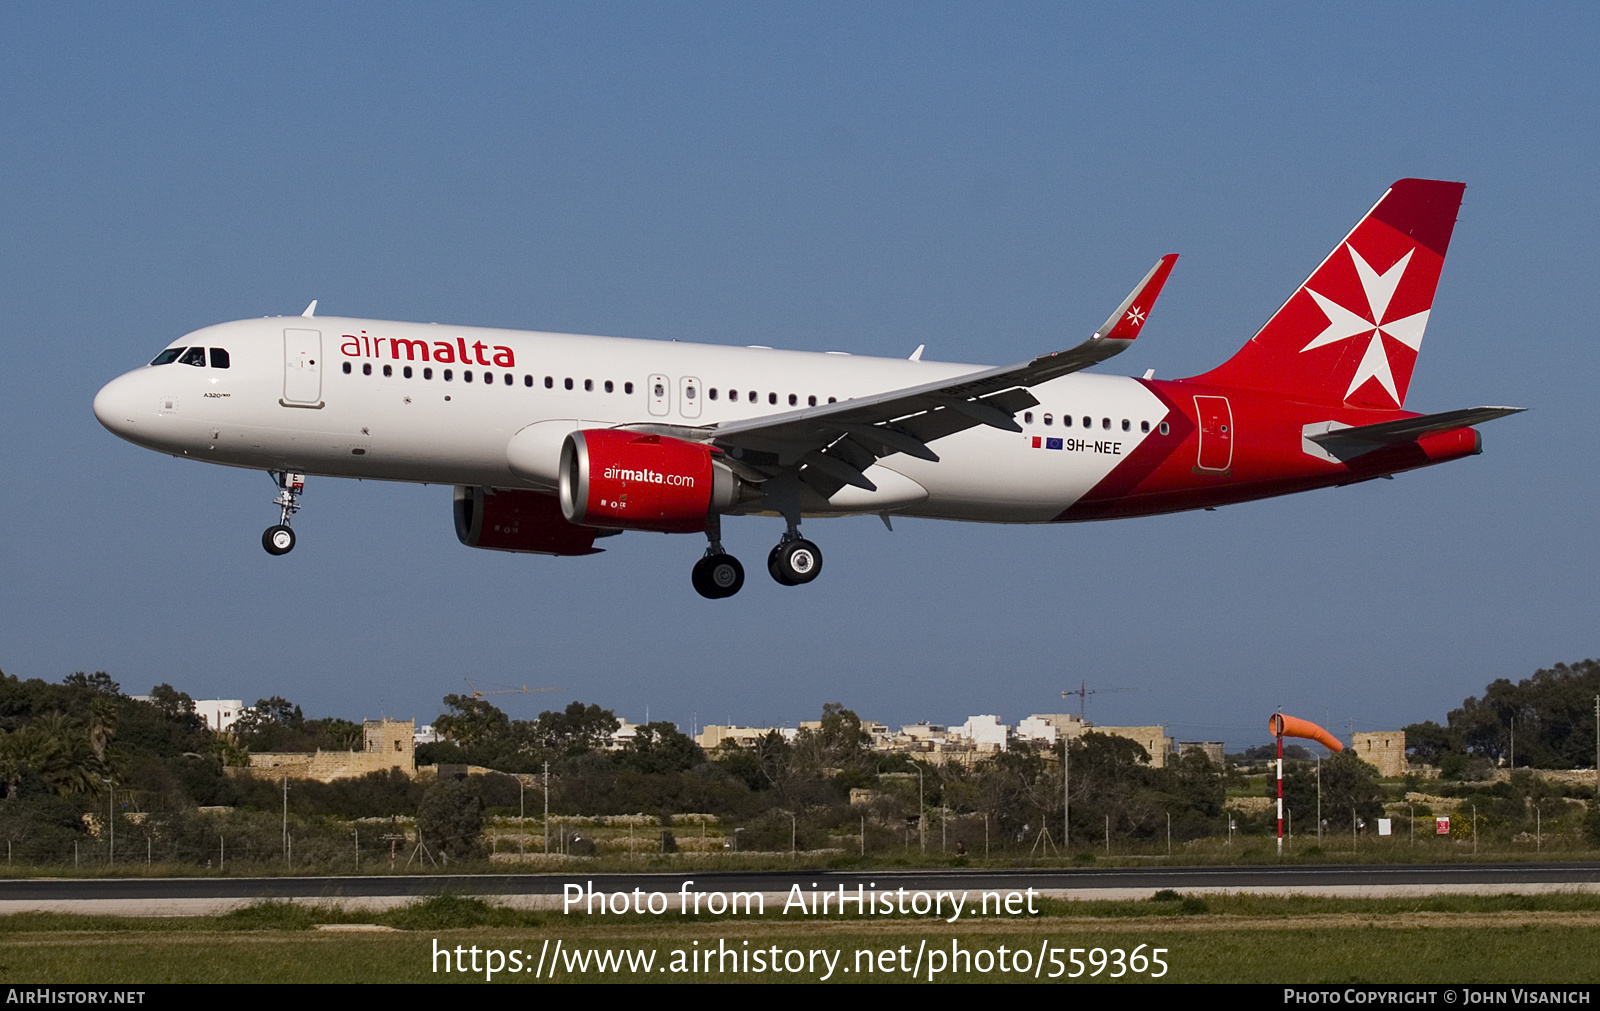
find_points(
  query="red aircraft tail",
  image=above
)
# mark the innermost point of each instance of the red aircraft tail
(1350, 334)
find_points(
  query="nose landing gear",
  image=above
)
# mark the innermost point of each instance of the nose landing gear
(279, 539)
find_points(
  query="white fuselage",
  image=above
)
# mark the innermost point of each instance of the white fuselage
(311, 395)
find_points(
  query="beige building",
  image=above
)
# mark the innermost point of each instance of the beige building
(1153, 739)
(745, 737)
(1069, 726)
(386, 744)
(1384, 750)
(1211, 749)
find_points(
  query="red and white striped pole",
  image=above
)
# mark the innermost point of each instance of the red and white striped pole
(1280, 791)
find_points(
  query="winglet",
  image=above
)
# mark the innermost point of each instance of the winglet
(311, 310)
(1125, 323)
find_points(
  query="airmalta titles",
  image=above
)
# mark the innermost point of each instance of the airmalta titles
(364, 346)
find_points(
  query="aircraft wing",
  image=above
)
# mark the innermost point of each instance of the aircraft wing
(833, 444)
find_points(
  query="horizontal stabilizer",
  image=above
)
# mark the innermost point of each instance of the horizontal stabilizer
(1412, 429)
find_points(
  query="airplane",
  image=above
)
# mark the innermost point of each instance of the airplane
(554, 441)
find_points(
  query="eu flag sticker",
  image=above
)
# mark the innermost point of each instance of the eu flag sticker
(1052, 444)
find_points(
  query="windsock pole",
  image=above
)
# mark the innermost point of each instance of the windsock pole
(1280, 726)
(1280, 795)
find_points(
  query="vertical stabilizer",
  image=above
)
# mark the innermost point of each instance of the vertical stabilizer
(1351, 333)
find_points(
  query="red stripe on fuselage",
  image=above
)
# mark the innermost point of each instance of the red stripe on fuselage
(1269, 456)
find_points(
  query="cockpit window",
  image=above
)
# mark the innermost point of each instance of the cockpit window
(194, 356)
(168, 356)
(219, 358)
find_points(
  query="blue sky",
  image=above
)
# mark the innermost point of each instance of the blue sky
(985, 179)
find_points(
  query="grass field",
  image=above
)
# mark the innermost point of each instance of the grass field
(1444, 939)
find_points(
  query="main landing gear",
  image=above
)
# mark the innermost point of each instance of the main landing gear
(279, 539)
(718, 574)
(792, 562)
(795, 560)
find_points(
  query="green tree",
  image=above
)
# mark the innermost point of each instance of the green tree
(472, 723)
(99, 682)
(1553, 713)
(1429, 743)
(574, 730)
(1348, 785)
(450, 819)
(659, 748)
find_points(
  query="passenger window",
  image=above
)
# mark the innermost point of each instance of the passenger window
(660, 390)
(167, 357)
(347, 368)
(627, 387)
(1048, 420)
(407, 371)
(733, 395)
(527, 381)
(811, 400)
(688, 392)
(793, 400)
(549, 382)
(1066, 421)
(772, 398)
(833, 400)
(219, 358)
(366, 368)
(712, 393)
(1027, 417)
(194, 356)
(567, 382)
(1164, 428)
(466, 375)
(1144, 426)
(388, 370)
(588, 386)
(1088, 422)
(1105, 423)
(610, 387)
(427, 373)
(1125, 424)
(447, 375)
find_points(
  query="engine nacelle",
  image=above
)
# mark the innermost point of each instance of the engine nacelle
(525, 521)
(613, 478)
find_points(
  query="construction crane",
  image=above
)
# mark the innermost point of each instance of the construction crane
(1083, 691)
(524, 690)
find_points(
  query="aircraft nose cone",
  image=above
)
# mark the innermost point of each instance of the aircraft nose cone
(116, 405)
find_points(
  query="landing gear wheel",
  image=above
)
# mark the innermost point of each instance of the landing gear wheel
(795, 562)
(717, 576)
(278, 540)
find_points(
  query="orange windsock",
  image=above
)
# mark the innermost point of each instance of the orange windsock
(1290, 726)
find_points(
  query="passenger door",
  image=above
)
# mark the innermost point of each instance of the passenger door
(302, 368)
(1216, 434)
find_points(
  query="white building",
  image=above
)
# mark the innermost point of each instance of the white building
(1038, 730)
(219, 714)
(986, 733)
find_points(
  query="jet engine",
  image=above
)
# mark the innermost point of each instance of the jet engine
(523, 521)
(614, 478)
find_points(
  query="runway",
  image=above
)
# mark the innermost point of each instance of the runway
(210, 895)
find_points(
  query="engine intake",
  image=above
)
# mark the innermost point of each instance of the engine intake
(613, 478)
